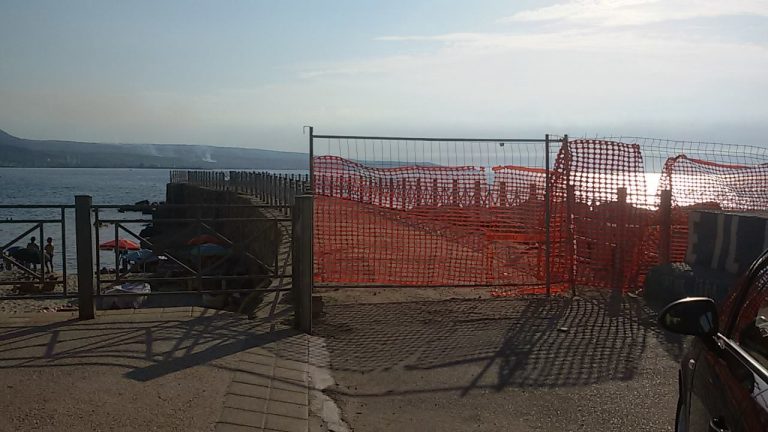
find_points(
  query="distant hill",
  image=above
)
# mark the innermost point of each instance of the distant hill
(26, 153)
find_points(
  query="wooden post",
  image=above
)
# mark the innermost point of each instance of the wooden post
(503, 201)
(380, 192)
(272, 189)
(404, 194)
(477, 198)
(435, 193)
(302, 260)
(84, 244)
(665, 227)
(418, 192)
(276, 179)
(265, 187)
(286, 193)
(371, 190)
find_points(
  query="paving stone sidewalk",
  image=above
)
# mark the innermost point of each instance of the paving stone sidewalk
(270, 389)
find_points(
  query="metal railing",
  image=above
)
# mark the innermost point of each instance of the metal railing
(266, 230)
(274, 189)
(197, 268)
(21, 259)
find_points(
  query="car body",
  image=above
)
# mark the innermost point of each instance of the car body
(723, 377)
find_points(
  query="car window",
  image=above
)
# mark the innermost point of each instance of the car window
(752, 324)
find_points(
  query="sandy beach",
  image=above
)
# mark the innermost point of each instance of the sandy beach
(35, 305)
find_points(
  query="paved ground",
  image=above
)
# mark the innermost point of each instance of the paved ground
(525, 364)
(181, 369)
(176, 369)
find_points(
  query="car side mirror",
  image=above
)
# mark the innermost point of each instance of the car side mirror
(695, 316)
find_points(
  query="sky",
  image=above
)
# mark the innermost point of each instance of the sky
(252, 73)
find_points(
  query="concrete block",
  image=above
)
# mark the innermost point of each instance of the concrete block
(299, 398)
(291, 364)
(254, 368)
(288, 409)
(228, 427)
(293, 386)
(252, 378)
(286, 424)
(242, 417)
(249, 390)
(245, 403)
(290, 374)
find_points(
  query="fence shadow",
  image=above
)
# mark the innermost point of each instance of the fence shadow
(520, 342)
(146, 345)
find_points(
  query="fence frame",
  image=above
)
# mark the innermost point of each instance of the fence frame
(546, 142)
(198, 275)
(87, 243)
(39, 226)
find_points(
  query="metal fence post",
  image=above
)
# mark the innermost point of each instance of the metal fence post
(665, 226)
(302, 266)
(620, 237)
(311, 159)
(547, 219)
(84, 244)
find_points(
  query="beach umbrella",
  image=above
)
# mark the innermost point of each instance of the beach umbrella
(205, 238)
(141, 256)
(209, 250)
(121, 244)
(26, 255)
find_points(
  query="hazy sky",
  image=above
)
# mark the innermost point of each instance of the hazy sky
(251, 73)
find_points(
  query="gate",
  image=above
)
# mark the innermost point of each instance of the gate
(434, 212)
(24, 270)
(195, 249)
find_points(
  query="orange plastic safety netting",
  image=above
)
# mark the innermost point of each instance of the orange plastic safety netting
(599, 201)
(697, 184)
(468, 225)
(427, 225)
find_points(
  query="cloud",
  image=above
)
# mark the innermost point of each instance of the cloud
(638, 12)
(586, 73)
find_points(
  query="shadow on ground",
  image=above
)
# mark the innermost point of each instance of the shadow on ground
(149, 345)
(519, 342)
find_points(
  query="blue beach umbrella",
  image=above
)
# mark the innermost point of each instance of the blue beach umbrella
(13, 249)
(208, 250)
(141, 256)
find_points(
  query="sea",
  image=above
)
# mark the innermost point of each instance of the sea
(58, 186)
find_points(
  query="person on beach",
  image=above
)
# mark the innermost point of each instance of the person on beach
(49, 255)
(32, 246)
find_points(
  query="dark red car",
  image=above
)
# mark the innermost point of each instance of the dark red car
(724, 375)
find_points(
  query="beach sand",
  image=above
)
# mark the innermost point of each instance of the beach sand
(35, 305)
